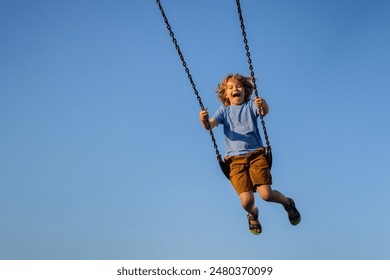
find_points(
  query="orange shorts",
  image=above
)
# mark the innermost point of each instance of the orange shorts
(249, 171)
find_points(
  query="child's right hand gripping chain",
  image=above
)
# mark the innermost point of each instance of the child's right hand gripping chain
(206, 122)
(204, 117)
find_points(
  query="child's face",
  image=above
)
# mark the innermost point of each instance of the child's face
(235, 92)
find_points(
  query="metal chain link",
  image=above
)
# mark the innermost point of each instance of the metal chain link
(208, 126)
(248, 55)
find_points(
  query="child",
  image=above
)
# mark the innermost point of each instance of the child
(245, 153)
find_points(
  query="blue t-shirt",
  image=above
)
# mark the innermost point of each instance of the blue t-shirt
(242, 134)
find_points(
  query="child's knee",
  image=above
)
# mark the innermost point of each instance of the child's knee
(267, 196)
(247, 204)
(266, 193)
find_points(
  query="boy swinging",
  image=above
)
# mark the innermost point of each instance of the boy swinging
(245, 153)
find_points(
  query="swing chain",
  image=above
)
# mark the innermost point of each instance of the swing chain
(187, 70)
(248, 55)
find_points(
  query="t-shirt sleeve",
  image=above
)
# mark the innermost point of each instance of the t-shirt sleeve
(219, 116)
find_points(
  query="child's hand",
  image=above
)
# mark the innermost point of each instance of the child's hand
(262, 105)
(258, 102)
(206, 122)
(204, 115)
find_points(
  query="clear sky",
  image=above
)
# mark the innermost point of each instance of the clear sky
(102, 155)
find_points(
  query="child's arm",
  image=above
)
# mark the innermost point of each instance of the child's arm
(262, 105)
(204, 116)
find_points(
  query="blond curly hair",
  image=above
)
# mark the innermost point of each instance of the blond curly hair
(245, 81)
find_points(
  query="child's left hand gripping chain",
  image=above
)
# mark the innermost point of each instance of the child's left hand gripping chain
(262, 105)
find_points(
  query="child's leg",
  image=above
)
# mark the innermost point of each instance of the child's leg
(268, 194)
(247, 200)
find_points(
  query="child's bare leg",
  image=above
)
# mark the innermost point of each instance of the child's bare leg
(247, 200)
(268, 194)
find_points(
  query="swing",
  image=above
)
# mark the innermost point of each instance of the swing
(222, 164)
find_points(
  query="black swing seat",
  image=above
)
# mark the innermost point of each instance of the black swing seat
(224, 167)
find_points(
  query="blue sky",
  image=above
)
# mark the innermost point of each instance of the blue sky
(102, 155)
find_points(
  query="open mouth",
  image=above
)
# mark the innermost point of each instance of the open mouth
(236, 94)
